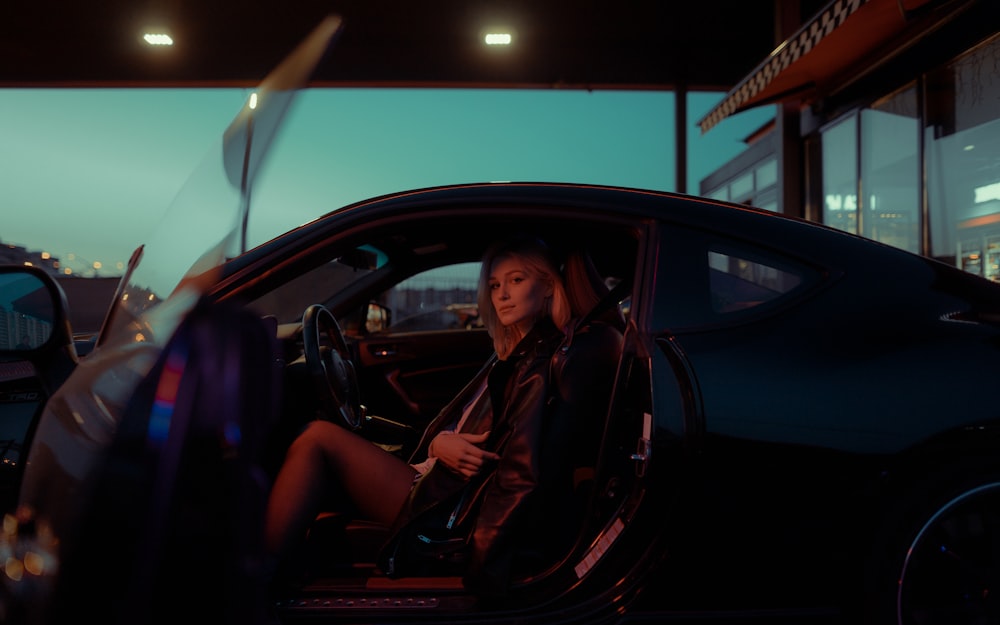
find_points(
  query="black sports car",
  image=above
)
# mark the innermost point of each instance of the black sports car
(803, 424)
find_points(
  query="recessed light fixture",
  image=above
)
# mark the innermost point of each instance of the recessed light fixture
(158, 39)
(497, 39)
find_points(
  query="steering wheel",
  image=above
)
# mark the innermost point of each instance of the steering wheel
(330, 366)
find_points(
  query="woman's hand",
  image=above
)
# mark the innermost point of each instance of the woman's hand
(461, 452)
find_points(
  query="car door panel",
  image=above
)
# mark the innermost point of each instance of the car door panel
(409, 376)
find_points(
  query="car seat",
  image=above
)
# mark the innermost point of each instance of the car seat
(583, 374)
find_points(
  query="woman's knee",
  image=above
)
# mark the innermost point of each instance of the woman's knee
(318, 436)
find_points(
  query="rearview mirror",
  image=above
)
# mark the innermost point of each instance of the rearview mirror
(360, 258)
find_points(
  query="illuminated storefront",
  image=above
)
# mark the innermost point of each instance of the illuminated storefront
(888, 125)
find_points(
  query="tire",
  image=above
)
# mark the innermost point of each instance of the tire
(942, 565)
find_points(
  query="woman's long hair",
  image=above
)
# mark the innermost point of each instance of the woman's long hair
(539, 261)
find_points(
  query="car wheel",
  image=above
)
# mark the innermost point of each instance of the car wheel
(943, 566)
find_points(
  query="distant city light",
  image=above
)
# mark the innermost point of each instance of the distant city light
(158, 39)
(497, 39)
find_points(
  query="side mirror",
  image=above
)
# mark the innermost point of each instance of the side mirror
(34, 323)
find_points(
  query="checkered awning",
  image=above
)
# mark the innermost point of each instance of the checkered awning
(759, 87)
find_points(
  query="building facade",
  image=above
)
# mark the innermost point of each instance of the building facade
(887, 126)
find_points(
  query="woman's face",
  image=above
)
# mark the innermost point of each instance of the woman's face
(517, 294)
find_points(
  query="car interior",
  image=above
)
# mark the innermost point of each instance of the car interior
(404, 377)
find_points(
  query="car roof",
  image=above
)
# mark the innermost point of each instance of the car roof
(442, 225)
(423, 228)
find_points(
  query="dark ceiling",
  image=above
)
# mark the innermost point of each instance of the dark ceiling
(616, 44)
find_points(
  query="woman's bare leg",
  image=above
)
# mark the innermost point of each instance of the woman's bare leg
(323, 458)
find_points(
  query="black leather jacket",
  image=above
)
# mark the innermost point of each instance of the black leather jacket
(519, 392)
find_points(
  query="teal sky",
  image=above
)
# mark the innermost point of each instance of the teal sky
(86, 174)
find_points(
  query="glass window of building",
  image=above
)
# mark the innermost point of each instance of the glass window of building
(741, 189)
(766, 174)
(890, 171)
(840, 175)
(962, 147)
(871, 179)
(768, 200)
(766, 182)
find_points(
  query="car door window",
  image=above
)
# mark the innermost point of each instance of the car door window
(718, 280)
(443, 298)
(737, 284)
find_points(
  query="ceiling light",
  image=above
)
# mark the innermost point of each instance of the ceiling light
(497, 39)
(158, 39)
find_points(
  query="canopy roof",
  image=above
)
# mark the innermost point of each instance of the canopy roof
(593, 44)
